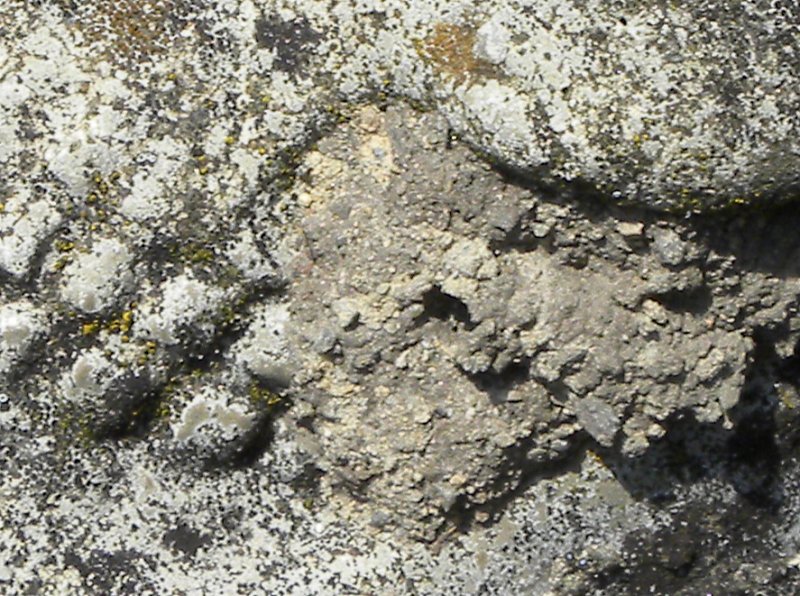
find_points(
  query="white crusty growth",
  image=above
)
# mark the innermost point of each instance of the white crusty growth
(95, 279)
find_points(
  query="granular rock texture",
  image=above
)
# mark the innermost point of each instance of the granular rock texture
(436, 330)
(269, 322)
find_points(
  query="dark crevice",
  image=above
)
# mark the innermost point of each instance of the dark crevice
(130, 407)
(498, 384)
(754, 457)
(520, 238)
(789, 368)
(517, 473)
(684, 557)
(745, 456)
(256, 441)
(695, 301)
(444, 307)
(557, 390)
(306, 422)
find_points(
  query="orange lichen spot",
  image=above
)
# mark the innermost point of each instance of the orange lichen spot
(128, 29)
(449, 50)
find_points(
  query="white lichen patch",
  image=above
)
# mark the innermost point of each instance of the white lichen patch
(150, 186)
(90, 375)
(25, 223)
(186, 306)
(501, 112)
(493, 39)
(21, 323)
(244, 253)
(94, 280)
(264, 350)
(213, 419)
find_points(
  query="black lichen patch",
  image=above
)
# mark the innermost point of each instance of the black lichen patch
(292, 41)
(186, 540)
(117, 572)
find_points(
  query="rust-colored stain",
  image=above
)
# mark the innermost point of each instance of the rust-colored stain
(449, 50)
(128, 29)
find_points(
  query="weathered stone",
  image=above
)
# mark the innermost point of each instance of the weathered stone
(259, 315)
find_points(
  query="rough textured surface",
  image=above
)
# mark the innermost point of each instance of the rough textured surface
(674, 105)
(254, 336)
(436, 334)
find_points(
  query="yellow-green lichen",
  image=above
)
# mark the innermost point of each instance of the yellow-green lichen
(264, 397)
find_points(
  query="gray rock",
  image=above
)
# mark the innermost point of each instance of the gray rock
(257, 316)
(598, 419)
(686, 105)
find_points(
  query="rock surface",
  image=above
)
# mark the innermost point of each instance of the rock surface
(258, 315)
(683, 106)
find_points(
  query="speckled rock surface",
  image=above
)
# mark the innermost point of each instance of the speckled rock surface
(673, 105)
(269, 324)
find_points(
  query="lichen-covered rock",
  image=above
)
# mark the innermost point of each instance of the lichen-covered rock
(24, 225)
(258, 314)
(21, 325)
(183, 313)
(264, 350)
(94, 280)
(686, 106)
